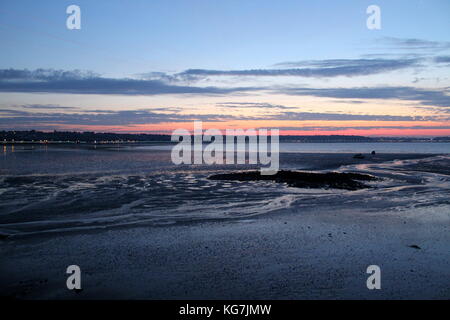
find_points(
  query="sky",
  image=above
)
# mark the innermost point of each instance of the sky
(304, 67)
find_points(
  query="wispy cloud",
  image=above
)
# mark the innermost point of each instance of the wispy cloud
(17, 75)
(315, 68)
(57, 81)
(258, 105)
(47, 107)
(422, 96)
(303, 116)
(17, 118)
(414, 44)
(13, 118)
(442, 59)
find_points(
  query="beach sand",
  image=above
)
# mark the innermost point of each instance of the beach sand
(302, 252)
(284, 255)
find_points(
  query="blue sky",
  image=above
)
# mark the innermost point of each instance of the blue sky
(196, 55)
(123, 37)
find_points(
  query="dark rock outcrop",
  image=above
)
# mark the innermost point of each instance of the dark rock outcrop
(336, 180)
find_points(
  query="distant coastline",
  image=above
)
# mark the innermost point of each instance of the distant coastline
(61, 137)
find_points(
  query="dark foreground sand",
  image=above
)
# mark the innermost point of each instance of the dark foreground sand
(301, 253)
(290, 255)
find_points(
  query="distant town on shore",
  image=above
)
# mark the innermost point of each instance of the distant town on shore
(33, 136)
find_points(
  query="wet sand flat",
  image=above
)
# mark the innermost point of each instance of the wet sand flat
(288, 255)
(317, 245)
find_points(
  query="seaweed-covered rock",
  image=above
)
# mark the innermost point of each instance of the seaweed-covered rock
(336, 180)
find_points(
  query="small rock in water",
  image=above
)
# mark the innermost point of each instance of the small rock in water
(373, 152)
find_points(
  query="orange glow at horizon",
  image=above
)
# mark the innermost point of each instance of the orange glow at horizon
(359, 127)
